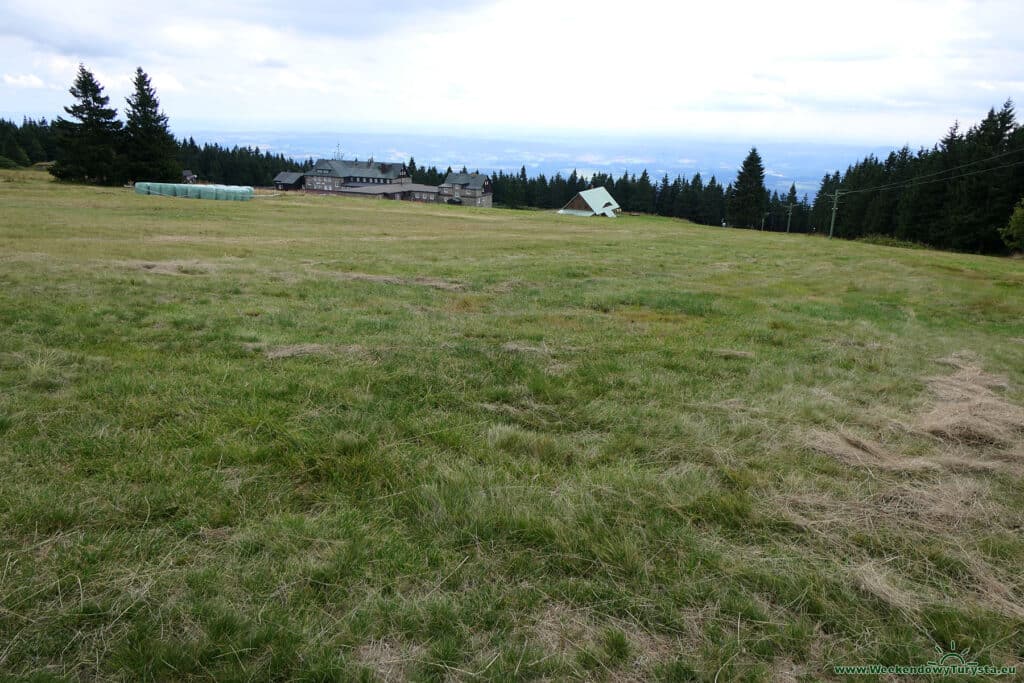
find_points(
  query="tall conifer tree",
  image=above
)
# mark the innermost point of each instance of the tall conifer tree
(150, 148)
(749, 197)
(89, 142)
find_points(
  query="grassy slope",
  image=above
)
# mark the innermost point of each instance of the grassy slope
(554, 467)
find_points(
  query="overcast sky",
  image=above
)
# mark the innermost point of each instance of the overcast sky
(874, 72)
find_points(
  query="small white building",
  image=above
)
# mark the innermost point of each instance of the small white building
(594, 202)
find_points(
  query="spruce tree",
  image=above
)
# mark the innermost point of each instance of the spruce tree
(88, 143)
(643, 197)
(149, 146)
(749, 197)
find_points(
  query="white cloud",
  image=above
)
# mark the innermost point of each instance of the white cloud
(24, 81)
(878, 71)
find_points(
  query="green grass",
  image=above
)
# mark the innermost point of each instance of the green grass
(311, 438)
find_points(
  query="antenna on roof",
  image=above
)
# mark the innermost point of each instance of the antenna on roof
(337, 152)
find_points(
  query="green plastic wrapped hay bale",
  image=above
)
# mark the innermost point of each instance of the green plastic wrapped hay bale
(236, 193)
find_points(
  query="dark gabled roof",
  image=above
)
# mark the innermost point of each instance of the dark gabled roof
(287, 177)
(386, 188)
(472, 181)
(187, 174)
(357, 169)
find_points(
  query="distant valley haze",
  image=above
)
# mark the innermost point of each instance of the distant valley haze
(787, 163)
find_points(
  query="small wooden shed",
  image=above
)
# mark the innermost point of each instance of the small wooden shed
(286, 180)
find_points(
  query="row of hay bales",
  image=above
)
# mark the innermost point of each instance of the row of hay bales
(237, 193)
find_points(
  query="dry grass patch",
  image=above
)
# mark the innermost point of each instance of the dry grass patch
(976, 429)
(863, 452)
(968, 411)
(877, 581)
(941, 504)
(1002, 595)
(944, 504)
(309, 349)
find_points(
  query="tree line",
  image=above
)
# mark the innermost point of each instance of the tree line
(235, 165)
(958, 194)
(744, 203)
(30, 143)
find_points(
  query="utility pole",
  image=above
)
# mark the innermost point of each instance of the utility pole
(835, 207)
(789, 216)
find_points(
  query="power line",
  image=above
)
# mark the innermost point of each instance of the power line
(914, 182)
(937, 173)
(917, 182)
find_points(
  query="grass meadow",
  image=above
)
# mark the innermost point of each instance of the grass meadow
(310, 438)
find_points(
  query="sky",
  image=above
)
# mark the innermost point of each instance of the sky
(879, 73)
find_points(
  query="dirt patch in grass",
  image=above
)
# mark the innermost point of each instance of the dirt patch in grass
(732, 353)
(523, 347)
(786, 671)
(293, 350)
(221, 534)
(420, 281)
(568, 632)
(389, 659)
(214, 239)
(558, 369)
(509, 286)
(396, 238)
(968, 410)
(858, 344)
(187, 267)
